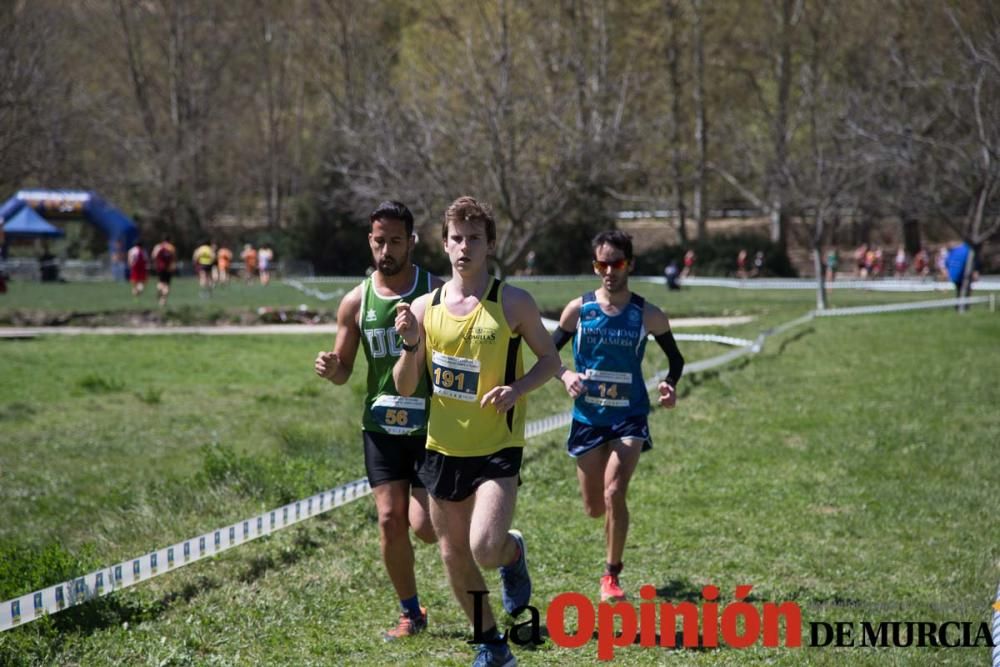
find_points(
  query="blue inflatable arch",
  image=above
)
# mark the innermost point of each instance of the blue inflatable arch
(75, 204)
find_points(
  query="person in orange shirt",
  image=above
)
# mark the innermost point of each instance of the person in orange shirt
(249, 257)
(223, 258)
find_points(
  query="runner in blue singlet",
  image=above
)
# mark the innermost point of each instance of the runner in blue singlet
(609, 327)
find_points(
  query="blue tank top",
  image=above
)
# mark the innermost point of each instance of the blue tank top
(609, 351)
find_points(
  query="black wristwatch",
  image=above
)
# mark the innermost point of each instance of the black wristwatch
(410, 348)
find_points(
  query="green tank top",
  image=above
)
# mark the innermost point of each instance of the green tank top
(385, 410)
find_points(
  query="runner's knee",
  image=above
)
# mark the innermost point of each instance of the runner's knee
(595, 510)
(392, 522)
(488, 548)
(614, 496)
(422, 528)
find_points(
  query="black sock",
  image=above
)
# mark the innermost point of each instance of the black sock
(491, 636)
(613, 570)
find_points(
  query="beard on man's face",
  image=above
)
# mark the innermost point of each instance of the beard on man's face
(388, 266)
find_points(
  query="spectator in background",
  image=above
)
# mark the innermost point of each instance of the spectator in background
(741, 264)
(48, 266)
(118, 261)
(901, 262)
(758, 264)
(529, 261)
(832, 264)
(138, 267)
(860, 260)
(672, 273)
(955, 263)
(941, 263)
(249, 257)
(224, 258)
(203, 259)
(689, 258)
(921, 263)
(265, 258)
(164, 263)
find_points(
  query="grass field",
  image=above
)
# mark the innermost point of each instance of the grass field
(233, 302)
(849, 467)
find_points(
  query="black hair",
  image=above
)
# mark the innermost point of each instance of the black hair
(393, 210)
(616, 238)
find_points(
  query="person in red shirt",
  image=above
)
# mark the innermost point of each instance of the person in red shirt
(138, 263)
(164, 262)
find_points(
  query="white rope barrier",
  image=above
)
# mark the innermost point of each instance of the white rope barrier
(990, 283)
(986, 283)
(900, 307)
(996, 630)
(53, 599)
(322, 296)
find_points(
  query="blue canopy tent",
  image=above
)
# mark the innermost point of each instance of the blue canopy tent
(28, 224)
(56, 204)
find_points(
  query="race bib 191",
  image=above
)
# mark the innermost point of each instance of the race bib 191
(607, 388)
(400, 415)
(455, 377)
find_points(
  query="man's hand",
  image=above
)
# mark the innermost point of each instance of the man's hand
(503, 398)
(326, 364)
(406, 324)
(573, 383)
(668, 395)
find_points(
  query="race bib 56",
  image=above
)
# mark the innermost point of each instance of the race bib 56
(400, 415)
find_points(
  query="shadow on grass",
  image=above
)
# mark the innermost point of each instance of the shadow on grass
(692, 382)
(17, 410)
(796, 338)
(679, 590)
(115, 610)
(303, 545)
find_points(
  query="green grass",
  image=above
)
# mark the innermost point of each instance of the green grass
(849, 467)
(185, 303)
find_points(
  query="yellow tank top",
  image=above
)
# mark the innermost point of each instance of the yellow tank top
(467, 357)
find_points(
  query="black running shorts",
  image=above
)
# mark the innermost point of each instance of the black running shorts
(389, 458)
(456, 478)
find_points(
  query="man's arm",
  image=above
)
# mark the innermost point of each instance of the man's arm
(336, 366)
(658, 325)
(568, 322)
(410, 327)
(524, 319)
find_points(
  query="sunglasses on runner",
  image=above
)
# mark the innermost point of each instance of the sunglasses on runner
(617, 265)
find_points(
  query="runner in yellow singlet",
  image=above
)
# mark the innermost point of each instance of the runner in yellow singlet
(467, 335)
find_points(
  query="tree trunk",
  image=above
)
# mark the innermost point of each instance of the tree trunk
(780, 127)
(777, 217)
(673, 67)
(910, 230)
(700, 120)
(818, 263)
(967, 271)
